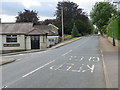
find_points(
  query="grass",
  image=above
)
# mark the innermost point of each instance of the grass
(74, 38)
(67, 37)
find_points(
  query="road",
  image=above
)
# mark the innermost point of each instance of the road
(75, 65)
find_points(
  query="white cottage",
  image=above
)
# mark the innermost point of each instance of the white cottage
(52, 33)
(21, 36)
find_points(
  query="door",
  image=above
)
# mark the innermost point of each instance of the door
(35, 42)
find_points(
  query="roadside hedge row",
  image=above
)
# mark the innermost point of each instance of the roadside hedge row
(115, 26)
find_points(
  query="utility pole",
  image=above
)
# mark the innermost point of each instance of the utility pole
(62, 24)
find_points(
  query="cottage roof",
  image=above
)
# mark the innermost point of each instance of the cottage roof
(35, 31)
(24, 28)
(43, 27)
(15, 28)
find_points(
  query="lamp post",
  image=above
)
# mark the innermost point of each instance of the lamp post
(62, 24)
(111, 26)
(113, 37)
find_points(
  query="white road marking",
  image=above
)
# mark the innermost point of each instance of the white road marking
(98, 59)
(108, 84)
(91, 68)
(51, 67)
(59, 67)
(93, 59)
(90, 58)
(69, 67)
(67, 53)
(81, 58)
(37, 69)
(79, 70)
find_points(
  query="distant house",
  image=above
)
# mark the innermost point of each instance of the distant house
(23, 36)
(52, 33)
(53, 37)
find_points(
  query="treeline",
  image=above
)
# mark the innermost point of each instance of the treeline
(106, 18)
(72, 15)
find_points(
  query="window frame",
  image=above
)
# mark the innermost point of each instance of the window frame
(11, 38)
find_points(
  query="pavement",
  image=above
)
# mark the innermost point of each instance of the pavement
(110, 62)
(4, 61)
(75, 65)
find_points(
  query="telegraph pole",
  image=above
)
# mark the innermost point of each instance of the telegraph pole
(62, 24)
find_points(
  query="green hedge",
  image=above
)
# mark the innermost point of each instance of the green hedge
(115, 27)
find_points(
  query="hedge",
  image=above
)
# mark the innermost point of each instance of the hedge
(115, 27)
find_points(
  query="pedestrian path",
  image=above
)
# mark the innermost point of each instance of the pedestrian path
(6, 60)
(110, 57)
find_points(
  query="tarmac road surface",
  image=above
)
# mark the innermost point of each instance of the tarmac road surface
(75, 65)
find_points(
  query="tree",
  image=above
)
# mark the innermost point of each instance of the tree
(49, 21)
(27, 16)
(84, 27)
(71, 12)
(101, 13)
(75, 32)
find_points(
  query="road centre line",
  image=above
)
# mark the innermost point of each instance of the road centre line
(67, 53)
(37, 69)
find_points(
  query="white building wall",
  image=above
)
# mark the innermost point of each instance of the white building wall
(43, 42)
(28, 42)
(1, 45)
(52, 40)
(20, 40)
(24, 41)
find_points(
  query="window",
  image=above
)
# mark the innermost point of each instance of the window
(52, 40)
(11, 38)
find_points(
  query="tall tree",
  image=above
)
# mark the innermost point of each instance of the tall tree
(101, 13)
(27, 16)
(70, 13)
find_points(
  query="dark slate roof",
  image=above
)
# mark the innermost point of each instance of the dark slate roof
(15, 28)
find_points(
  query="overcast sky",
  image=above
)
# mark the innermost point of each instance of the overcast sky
(45, 8)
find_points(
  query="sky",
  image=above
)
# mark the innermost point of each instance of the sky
(46, 8)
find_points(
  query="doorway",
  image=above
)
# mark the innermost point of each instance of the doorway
(35, 42)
